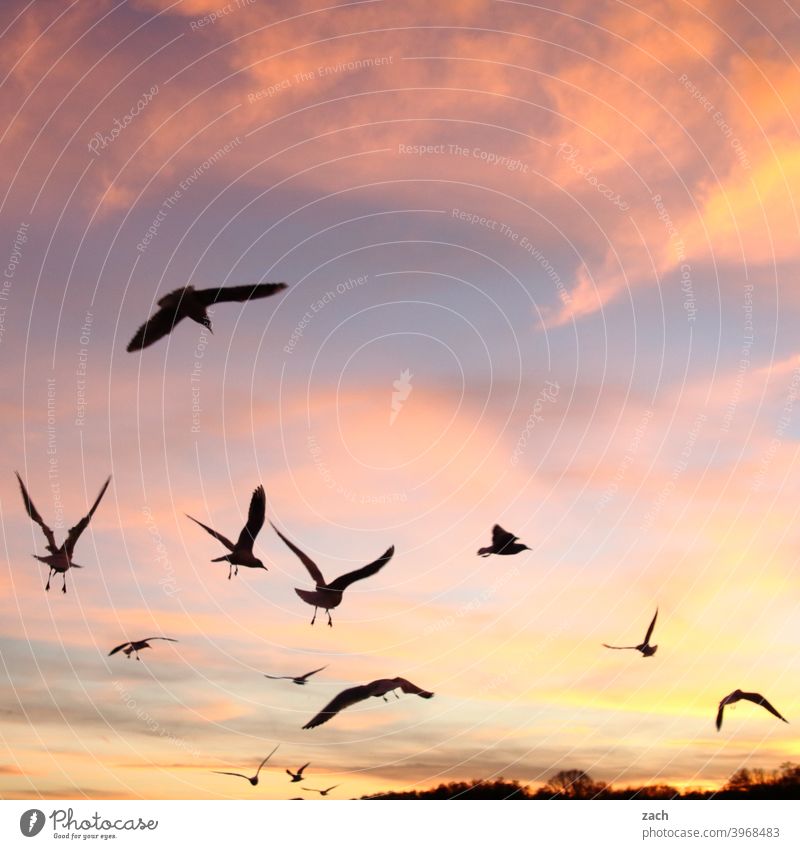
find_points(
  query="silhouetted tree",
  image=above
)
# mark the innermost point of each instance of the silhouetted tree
(573, 784)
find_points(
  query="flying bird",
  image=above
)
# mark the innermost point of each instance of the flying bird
(353, 695)
(60, 557)
(241, 553)
(645, 648)
(321, 792)
(254, 779)
(135, 646)
(300, 679)
(297, 776)
(502, 543)
(188, 302)
(737, 695)
(327, 596)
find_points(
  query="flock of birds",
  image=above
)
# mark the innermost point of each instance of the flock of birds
(188, 302)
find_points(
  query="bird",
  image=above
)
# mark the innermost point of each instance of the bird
(241, 553)
(254, 779)
(321, 792)
(328, 596)
(645, 648)
(737, 695)
(302, 680)
(297, 776)
(502, 543)
(135, 646)
(60, 557)
(353, 695)
(188, 302)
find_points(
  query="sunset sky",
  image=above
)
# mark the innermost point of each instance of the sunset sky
(571, 223)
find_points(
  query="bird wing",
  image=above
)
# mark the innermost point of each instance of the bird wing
(313, 672)
(74, 533)
(501, 537)
(148, 639)
(719, 714)
(218, 772)
(255, 519)
(34, 514)
(237, 293)
(119, 648)
(266, 759)
(224, 540)
(312, 567)
(279, 677)
(760, 700)
(328, 790)
(159, 324)
(618, 647)
(300, 771)
(345, 699)
(650, 629)
(344, 581)
(407, 687)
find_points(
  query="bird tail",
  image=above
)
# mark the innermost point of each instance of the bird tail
(484, 552)
(308, 597)
(220, 559)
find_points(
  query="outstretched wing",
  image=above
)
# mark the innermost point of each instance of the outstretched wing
(149, 639)
(255, 519)
(238, 293)
(313, 672)
(650, 629)
(407, 687)
(238, 774)
(618, 647)
(312, 567)
(719, 714)
(224, 540)
(345, 699)
(119, 648)
(279, 677)
(300, 771)
(501, 538)
(34, 514)
(266, 759)
(760, 700)
(74, 533)
(159, 324)
(344, 581)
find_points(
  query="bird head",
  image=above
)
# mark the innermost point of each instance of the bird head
(260, 565)
(207, 324)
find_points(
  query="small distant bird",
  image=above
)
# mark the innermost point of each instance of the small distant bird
(328, 596)
(321, 792)
(254, 779)
(300, 679)
(502, 543)
(353, 695)
(60, 558)
(737, 695)
(297, 776)
(135, 646)
(645, 648)
(241, 553)
(188, 302)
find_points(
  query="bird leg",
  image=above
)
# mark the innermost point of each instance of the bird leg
(230, 570)
(315, 616)
(237, 569)
(330, 621)
(47, 586)
(64, 588)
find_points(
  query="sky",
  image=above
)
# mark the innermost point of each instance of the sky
(541, 264)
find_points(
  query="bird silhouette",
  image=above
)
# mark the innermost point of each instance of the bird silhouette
(254, 779)
(135, 646)
(737, 695)
(321, 792)
(297, 776)
(353, 695)
(327, 596)
(300, 679)
(502, 543)
(60, 557)
(188, 302)
(645, 648)
(241, 553)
